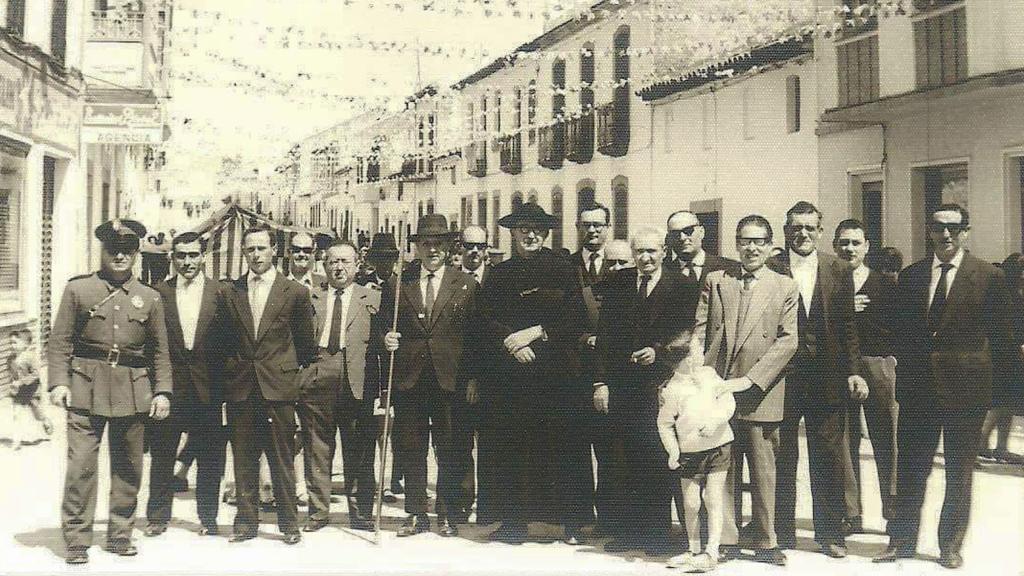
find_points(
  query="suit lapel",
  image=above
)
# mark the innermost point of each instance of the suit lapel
(729, 292)
(273, 306)
(356, 306)
(242, 307)
(963, 284)
(759, 300)
(206, 309)
(826, 278)
(444, 293)
(414, 296)
(319, 297)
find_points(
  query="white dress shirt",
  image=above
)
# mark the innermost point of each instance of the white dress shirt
(805, 272)
(597, 261)
(937, 272)
(698, 263)
(346, 299)
(259, 290)
(860, 276)
(477, 274)
(306, 279)
(189, 297)
(655, 276)
(423, 282)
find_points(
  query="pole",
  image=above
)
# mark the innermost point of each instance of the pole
(387, 401)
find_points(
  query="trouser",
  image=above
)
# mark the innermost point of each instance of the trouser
(828, 456)
(207, 441)
(423, 411)
(648, 481)
(78, 509)
(258, 426)
(463, 437)
(758, 443)
(918, 438)
(611, 474)
(880, 412)
(326, 410)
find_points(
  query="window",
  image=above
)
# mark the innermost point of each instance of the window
(517, 200)
(470, 121)
(557, 86)
(587, 77)
(496, 209)
(517, 104)
(858, 71)
(58, 30)
(585, 197)
(940, 46)
(497, 111)
(453, 171)
(932, 186)
(12, 181)
(531, 110)
(483, 116)
(556, 211)
(16, 17)
(792, 104)
(481, 211)
(620, 217)
(430, 206)
(431, 131)
(871, 212)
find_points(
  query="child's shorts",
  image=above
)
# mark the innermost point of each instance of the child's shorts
(697, 465)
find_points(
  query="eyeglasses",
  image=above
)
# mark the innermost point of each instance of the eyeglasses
(186, 255)
(684, 231)
(759, 242)
(527, 229)
(474, 246)
(614, 262)
(302, 249)
(594, 225)
(954, 228)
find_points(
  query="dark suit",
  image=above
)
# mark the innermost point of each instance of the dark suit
(196, 407)
(587, 278)
(336, 397)
(816, 391)
(431, 362)
(261, 389)
(629, 322)
(875, 335)
(945, 385)
(712, 263)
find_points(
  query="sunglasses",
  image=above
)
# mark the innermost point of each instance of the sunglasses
(126, 247)
(684, 231)
(474, 246)
(614, 262)
(535, 229)
(953, 228)
(760, 242)
(302, 249)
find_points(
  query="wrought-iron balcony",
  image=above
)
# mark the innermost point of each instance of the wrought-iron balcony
(117, 26)
(613, 128)
(579, 139)
(476, 159)
(512, 153)
(417, 169)
(551, 146)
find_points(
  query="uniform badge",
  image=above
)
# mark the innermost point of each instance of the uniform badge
(138, 302)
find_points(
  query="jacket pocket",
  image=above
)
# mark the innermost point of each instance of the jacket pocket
(81, 370)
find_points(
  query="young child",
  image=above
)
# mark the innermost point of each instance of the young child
(26, 389)
(693, 422)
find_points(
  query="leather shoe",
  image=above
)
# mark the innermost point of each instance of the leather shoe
(77, 555)
(510, 533)
(292, 538)
(208, 530)
(892, 554)
(574, 536)
(241, 536)
(179, 484)
(155, 529)
(834, 550)
(364, 524)
(448, 528)
(389, 496)
(786, 543)
(727, 552)
(951, 560)
(122, 547)
(772, 556)
(854, 525)
(314, 524)
(620, 545)
(414, 524)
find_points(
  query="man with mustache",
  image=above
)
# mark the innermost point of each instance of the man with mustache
(109, 367)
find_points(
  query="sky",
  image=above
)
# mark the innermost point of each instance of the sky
(249, 77)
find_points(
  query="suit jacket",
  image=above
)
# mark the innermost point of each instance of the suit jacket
(875, 323)
(838, 347)
(360, 359)
(760, 349)
(953, 365)
(197, 372)
(272, 358)
(438, 342)
(712, 263)
(485, 273)
(628, 324)
(583, 269)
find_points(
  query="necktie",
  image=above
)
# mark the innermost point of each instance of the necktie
(334, 340)
(254, 301)
(644, 281)
(593, 264)
(689, 269)
(428, 304)
(939, 300)
(748, 280)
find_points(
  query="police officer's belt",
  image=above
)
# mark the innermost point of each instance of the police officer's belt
(112, 356)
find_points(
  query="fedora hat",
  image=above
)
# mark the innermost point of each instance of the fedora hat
(383, 244)
(432, 225)
(528, 212)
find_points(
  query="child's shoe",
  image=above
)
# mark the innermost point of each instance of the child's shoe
(703, 562)
(681, 561)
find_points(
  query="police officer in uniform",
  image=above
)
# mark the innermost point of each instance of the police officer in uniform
(109, 367)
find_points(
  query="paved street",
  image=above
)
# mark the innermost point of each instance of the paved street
(30, 539)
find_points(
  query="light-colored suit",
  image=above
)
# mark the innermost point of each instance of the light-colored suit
(759, 348)
(362, 307)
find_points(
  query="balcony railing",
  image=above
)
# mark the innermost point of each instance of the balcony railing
(476, 159)
(512, 154)
(579, 139)
(613, 129)
(551, 146)
(417, 169)
(117, 25)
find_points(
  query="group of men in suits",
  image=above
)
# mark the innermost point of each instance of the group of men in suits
(540, 360)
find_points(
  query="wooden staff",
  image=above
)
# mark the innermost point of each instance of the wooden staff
(387, 401)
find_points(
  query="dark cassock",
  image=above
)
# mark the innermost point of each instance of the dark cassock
(534, 407)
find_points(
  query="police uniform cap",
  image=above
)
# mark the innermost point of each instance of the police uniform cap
(119, 229)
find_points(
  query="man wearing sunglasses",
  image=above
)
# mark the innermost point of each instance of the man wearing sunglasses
(109, 367)
(474, 253)
(952, 327)
(685, 239)
(301, 259)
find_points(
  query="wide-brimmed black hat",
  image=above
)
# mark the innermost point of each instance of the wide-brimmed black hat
(528, 212)
(432, 225)
(383, 244)
(119, 229)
